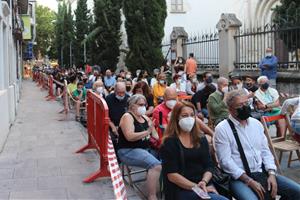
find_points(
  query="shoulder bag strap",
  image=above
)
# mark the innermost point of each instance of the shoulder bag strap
(240, 147)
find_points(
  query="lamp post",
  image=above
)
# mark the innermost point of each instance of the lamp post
(84, 48)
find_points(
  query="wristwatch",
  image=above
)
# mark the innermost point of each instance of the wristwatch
(272, 172)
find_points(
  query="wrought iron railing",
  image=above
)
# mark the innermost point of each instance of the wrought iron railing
(251, 46)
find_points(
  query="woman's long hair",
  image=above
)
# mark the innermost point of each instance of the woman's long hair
(173, 128)
(142, 85)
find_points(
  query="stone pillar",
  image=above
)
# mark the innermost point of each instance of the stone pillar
(227, 26)
(178, 36)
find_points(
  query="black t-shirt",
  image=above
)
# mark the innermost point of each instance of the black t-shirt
(197, 161)
(116, 107)
(138, 127)
(149, 101)
(201, 97)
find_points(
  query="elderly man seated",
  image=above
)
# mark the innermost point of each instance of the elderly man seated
(164, 110)
(267, 100)
(243, 152)
(216, 107)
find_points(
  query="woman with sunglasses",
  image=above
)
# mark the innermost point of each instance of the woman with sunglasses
(134, 147)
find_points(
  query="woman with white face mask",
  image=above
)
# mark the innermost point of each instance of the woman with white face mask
(187, 165)
(98, 87)
(134, 145)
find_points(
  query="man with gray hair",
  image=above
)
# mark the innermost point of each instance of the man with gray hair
(117, 104)
(217, 110)
(267, 101)
(252, 169)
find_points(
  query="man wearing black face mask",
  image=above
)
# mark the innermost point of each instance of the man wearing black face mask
(267, 100)
(249, 181)
(250, 84)
(207, 79)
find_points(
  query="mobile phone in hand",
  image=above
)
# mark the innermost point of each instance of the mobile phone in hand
(200, 192)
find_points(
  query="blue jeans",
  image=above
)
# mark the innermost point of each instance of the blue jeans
(138, 157)
(287, 189)
(204, 112)
(191, 195)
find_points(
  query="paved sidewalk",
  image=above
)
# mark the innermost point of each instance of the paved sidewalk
(38, 160)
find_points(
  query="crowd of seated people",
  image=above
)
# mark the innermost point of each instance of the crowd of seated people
(140, 105)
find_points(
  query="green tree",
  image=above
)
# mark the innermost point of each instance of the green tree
(145, 20)
(82, 26)
(59, 29)
(287, 13)
(106, 37)
(64, 34)
(287, 16)
(45, 32)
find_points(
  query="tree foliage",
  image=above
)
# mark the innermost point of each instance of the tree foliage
(106, 35)
(82, 27)
(145, 20)
(64, 34)
(45, 32)
(287, 14)
(287, 18)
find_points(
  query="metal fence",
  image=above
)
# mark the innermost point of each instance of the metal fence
(251, 46)
(206, 50)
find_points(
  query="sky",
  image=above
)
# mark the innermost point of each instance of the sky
(205, 14)
(52, 4)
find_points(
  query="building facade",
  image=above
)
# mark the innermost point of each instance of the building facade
(11, 43)
(199, 16)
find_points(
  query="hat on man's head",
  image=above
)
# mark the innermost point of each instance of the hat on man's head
(235, 75)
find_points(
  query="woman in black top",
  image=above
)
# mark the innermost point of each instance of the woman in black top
(134, 146)
(185, 155)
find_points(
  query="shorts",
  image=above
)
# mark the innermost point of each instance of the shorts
(138, 157)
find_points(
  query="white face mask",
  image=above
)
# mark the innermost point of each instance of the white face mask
(269, 54)
(187, 123)
(120, 98)
(171, 103)
(194, 80)
(239, 86)
(225, 89)
(141, 110)
(162, 82)
(100, 90)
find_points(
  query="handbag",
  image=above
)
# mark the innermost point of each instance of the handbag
(221, 180)
(260, 177)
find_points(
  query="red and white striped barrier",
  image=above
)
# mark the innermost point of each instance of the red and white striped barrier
(115, 173)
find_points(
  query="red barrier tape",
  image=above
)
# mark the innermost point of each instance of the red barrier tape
(115, 172)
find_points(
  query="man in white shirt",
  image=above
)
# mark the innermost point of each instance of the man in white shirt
(257, 153)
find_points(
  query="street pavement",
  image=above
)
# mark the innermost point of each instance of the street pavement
(38, 159)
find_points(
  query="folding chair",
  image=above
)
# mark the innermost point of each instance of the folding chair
(281, 144)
